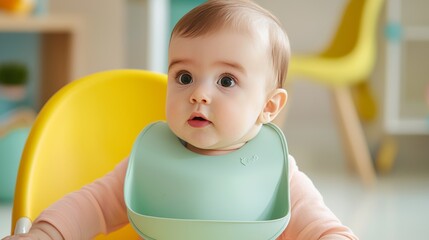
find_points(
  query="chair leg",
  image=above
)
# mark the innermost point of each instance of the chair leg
(353, 135)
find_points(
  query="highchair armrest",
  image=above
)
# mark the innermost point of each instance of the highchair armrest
(23, 225)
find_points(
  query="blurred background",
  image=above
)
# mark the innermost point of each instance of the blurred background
(47, 44)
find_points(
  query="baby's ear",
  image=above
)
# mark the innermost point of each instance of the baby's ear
(275, 103)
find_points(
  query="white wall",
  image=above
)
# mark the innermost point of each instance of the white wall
(103, 31)
(308, 23)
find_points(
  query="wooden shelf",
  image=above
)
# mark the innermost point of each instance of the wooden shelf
(61, 48)
(10, 23)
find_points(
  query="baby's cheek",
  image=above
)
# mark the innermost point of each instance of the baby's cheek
(169, 112)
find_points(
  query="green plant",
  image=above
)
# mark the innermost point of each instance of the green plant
(13, 74)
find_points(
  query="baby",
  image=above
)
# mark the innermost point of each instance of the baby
(226, 69)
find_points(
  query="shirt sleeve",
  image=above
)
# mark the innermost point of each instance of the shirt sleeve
(310, 217)
(98, 207)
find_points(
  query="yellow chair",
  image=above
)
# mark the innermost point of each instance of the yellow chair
(82, 132)
(348, 61)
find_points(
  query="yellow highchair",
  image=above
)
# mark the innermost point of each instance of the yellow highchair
(348, 62)
(82, 132)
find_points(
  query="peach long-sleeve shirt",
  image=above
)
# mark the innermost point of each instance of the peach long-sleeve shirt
(100, 208)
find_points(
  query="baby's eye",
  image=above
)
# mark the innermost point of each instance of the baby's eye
(184, 78)
(226, 81)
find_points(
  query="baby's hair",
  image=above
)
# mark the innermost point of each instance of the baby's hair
(215, 14)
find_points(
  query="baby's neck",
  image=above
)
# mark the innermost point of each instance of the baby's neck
(213, 152)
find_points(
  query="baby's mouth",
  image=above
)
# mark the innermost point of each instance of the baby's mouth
(198, 121)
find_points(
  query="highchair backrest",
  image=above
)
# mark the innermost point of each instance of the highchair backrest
(82, 132)
(356, 30)
(350, 56)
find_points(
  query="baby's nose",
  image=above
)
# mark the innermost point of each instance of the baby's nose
(200, 95)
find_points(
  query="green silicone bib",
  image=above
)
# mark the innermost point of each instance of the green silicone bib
(174, 193)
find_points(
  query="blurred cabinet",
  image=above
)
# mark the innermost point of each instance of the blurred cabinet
(407, 67)
(60, 50)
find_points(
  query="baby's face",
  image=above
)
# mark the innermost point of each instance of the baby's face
(218, 86)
